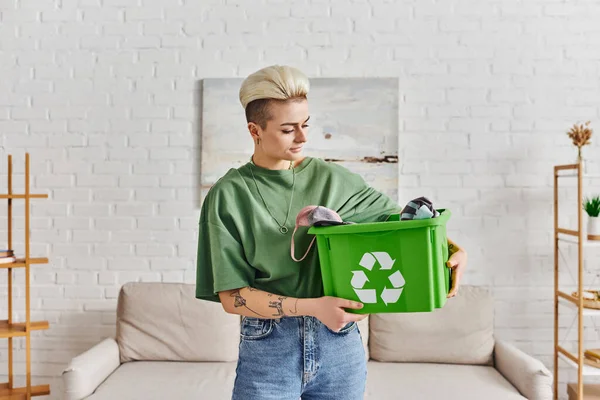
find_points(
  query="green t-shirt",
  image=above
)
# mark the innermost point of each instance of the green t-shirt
(240, 244)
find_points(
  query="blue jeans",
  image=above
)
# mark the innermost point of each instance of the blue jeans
(298, 357)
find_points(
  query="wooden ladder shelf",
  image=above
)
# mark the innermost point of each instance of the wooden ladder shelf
(9, 328)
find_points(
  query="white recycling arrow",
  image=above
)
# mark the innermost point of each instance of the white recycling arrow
(366, 295)
(367, 261)
(396, 279)
(390, 295)
(384, 259)
(359, 279)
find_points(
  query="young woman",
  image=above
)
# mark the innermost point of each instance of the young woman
(295, 342)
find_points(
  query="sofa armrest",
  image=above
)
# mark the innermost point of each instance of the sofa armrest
(524, 372)
(88, 370)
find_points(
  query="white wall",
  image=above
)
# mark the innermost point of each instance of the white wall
(102, 94)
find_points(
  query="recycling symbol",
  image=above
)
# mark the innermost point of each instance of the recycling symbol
(359, 278)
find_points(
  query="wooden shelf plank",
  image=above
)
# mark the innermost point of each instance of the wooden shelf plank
(575, 175)
(22, 196)
(20, 262)
(21, 392)
(572, 304)
(570, 359)
(565, 167)
(566, 296)
(18, 329)
(567, 231)
(575, 240)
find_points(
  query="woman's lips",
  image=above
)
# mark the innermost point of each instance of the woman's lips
(296, 149)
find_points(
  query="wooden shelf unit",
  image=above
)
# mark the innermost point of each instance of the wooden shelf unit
(572, 237)
(10, 329)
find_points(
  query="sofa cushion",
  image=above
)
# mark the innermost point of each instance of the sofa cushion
(392, 381)
(165, 321)
(152, 380)
(159, 380)
(462, 332)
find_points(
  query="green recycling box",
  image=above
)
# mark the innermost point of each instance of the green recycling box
(391, 267)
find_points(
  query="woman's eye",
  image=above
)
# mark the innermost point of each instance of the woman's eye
(292, 131)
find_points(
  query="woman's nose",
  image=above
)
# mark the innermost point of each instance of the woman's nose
(300, 135)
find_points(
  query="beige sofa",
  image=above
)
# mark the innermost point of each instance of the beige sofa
(170, 345)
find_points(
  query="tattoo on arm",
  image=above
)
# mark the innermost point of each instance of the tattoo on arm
(452, 247)
(295, 310)
(240, 301)
(278, 305)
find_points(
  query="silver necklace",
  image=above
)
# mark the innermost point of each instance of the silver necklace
(282, 228)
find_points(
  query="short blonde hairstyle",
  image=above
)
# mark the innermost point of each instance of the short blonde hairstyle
(274, 83)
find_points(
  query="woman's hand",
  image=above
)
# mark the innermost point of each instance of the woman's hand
(330, 311)
(457, 262)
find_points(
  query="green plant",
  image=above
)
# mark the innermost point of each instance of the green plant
(592, 206)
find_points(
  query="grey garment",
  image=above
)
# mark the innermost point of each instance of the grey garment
(323, 216)
(314, 216)
(419, 208)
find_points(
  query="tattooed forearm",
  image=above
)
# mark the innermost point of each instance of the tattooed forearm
(295, 310)
(452, 247)
(278, 305)
(252, 302)
(240, 301)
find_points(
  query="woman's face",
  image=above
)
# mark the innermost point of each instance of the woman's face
(285, 133)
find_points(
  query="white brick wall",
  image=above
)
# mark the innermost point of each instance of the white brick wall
(102, 94)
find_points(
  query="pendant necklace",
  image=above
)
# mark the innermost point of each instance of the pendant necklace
(282, 228)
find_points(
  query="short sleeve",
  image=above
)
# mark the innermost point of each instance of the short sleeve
(221, 264)
(366, 204)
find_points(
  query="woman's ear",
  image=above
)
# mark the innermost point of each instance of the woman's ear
(254, 131)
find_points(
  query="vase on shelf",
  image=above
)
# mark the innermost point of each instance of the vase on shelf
(593, 228)
(580, 134)
(581, 160)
